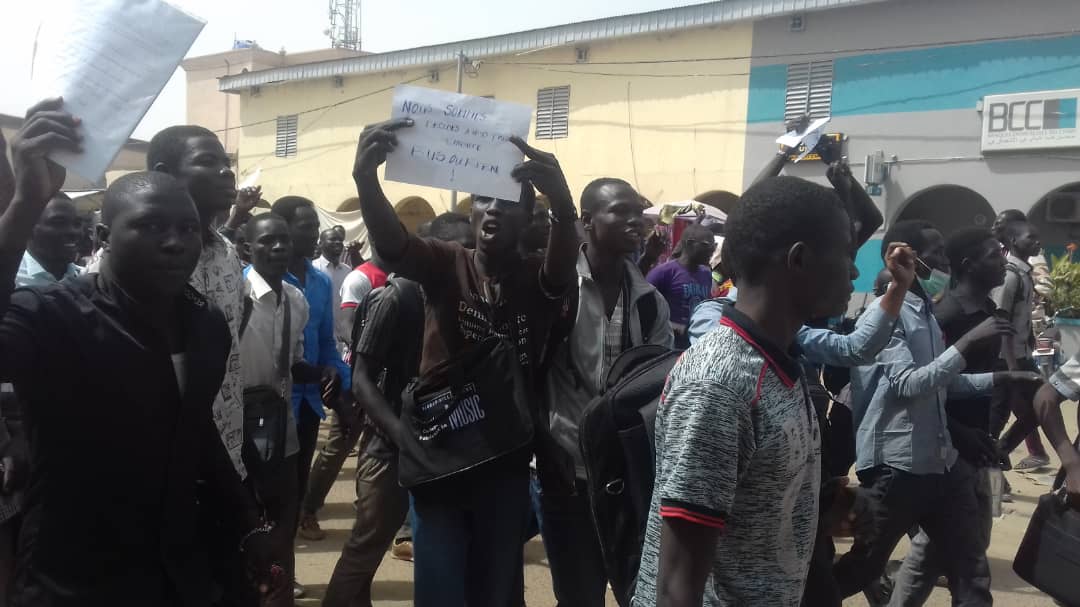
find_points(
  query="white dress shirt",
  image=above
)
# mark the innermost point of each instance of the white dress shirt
(261, 342)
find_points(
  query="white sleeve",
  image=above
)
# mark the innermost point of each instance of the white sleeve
(354, 289)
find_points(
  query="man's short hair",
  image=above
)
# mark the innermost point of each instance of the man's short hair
(1003, 218)
(590, 200)
(287, 206)
(1012, 229)
(773, 215)
(253, 223)
(447, 226)
(965, 243)
(910, 231)
(168, 145)
(118, 195)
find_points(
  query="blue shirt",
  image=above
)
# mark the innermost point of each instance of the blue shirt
(818, 346)
(320, 348)
(898, 401)
(33, 274)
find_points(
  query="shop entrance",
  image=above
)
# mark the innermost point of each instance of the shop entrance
(949, 207)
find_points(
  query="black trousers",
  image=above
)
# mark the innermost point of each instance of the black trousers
(945, 506)
(307, 432)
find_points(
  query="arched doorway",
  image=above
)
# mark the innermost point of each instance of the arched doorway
(413, 211)
(1054, 234)
(349, 204)
(464, 206)
(720, 199)
(949, 207)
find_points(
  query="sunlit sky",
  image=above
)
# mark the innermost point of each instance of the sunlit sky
(298, 25)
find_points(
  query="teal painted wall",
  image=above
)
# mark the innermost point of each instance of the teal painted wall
(943, 78)
(868, 261)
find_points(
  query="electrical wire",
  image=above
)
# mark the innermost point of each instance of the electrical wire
(327, 107)
(869, 49)
(252, 164)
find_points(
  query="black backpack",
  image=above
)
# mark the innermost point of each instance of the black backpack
(617, 443)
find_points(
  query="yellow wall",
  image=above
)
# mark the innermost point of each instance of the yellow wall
(673, 137)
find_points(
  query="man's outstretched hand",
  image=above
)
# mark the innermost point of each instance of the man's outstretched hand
(376, 141)
(542, 170)
(900, 261)
(47, 129)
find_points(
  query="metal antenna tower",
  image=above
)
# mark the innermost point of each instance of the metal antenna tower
(344, 29)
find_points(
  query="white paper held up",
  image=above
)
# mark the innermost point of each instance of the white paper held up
(109, 59)
(792, 139)
(458, 142)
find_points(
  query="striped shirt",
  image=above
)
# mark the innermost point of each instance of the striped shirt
(737, 448)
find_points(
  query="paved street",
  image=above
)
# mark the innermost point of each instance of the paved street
(393, 585)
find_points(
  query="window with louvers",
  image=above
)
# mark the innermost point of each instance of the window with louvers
(553, 113)
(809, 89)
(286, 137)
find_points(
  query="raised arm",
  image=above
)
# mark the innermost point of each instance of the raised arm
(37, 179)
(7, 178)
(773, 167)
(542, 170)
(860, 207)
(384, 229)
(875, 328)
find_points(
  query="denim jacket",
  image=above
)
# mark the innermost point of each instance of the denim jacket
(898, 401)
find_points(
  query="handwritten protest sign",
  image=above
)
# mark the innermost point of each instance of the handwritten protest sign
(458, 142)
(109, 59)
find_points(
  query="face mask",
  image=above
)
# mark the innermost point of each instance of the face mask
(935, 286)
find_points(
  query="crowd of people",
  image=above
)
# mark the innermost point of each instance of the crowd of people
(195, 356)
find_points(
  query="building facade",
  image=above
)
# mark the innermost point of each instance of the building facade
(209, 107)
(912, 84)
(613, 97)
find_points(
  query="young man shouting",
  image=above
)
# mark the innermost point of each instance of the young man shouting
(470, 525)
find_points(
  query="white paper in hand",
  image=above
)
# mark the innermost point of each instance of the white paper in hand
(458, 142)
(109, 59)
(792, 139)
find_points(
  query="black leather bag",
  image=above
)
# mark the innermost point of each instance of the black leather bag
(465, 412)
(1049, 554)
(266, 410)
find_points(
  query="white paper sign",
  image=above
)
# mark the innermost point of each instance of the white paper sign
(793, 138)
(458, 142)
(109, 59)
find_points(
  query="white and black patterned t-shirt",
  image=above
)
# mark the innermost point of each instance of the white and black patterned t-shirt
(737, 447)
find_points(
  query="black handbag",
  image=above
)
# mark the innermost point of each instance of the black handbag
(1049, 554)
(465, 412)
(266, 408)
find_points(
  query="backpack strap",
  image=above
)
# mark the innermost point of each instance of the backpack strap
(646, 308)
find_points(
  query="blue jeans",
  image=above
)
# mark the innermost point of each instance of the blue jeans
(578, 576)
(467, 540)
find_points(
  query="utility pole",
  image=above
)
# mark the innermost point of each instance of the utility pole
(460, 74)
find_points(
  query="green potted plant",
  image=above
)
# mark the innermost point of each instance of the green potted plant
(1065, 297)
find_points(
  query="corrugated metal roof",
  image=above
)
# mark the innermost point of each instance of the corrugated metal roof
(680, 18)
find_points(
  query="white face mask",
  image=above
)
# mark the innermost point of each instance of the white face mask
(936, 285)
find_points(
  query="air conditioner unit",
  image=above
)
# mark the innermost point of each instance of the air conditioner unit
(1063, 207)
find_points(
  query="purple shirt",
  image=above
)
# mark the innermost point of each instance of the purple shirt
(682, 288)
